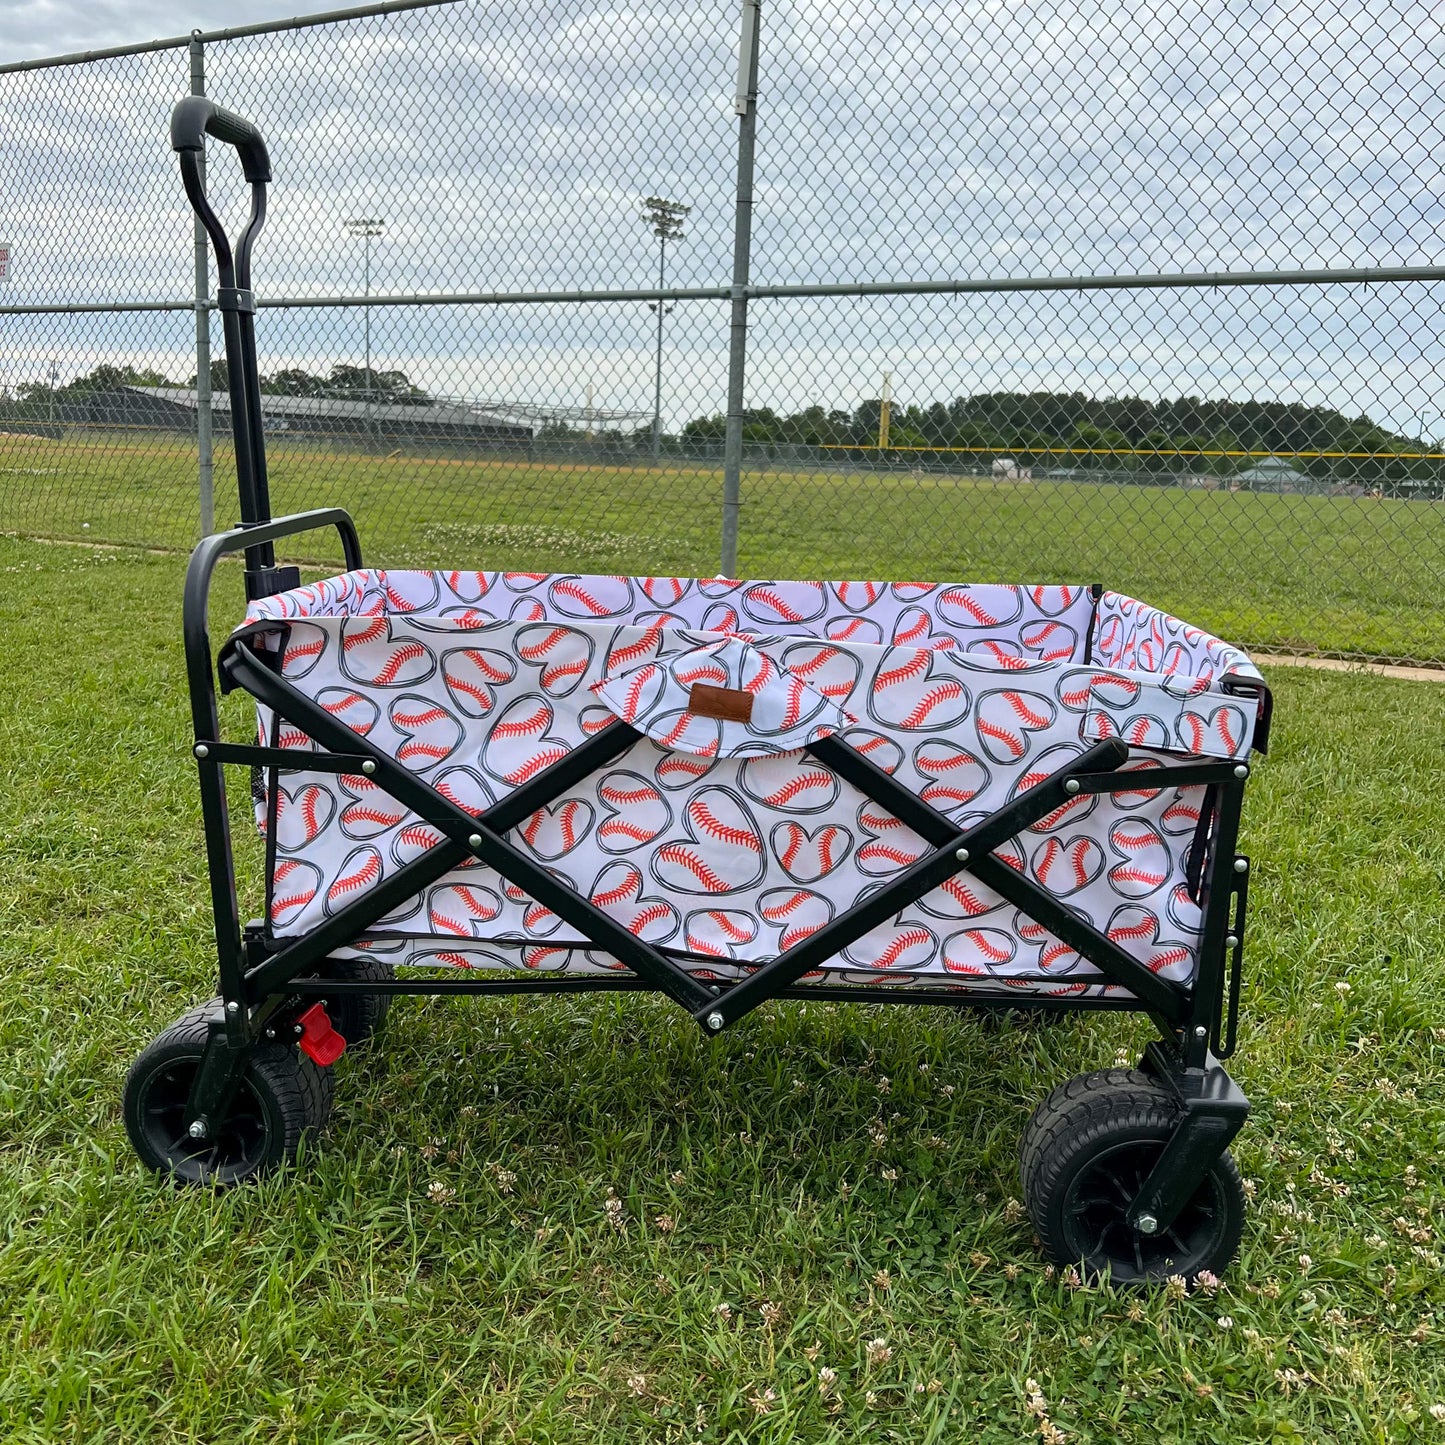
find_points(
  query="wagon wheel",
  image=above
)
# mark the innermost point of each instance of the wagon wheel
(357, 1016)
(280, 1096)
(1086, 1151)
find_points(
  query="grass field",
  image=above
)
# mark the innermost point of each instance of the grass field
(1343, 576)
(578, 1221)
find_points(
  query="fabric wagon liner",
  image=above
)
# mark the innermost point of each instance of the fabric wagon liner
(717, 838)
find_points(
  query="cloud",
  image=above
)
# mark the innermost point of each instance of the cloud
(39, 28)
(507, 146)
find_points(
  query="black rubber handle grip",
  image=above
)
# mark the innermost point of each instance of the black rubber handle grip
(195, 116)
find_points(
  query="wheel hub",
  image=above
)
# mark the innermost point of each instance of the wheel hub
(1097, 1229)
(220, 1152)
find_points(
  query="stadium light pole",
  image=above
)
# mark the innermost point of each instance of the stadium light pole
(665, 219)
(366, 227)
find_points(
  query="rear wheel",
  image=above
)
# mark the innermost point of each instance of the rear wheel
(357, 1016)
(1085, 1153)
(280, 1096)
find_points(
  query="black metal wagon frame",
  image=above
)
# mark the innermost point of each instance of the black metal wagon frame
(269, 986)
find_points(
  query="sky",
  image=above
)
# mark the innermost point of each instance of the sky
(60, 27)
(507, 145)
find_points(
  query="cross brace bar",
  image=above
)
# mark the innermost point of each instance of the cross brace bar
(287, 759)
(1097, 770)
(477, 836)
(958, 850)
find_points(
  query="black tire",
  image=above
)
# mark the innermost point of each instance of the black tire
(1084, 1154)
(281, 1096)
(358, 1016)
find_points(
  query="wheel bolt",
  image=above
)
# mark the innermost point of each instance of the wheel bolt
(198, 1130)
(1148, 1224)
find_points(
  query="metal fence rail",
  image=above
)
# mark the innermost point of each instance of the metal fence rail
(1004, 295)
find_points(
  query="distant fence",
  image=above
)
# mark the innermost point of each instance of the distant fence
(743, 291)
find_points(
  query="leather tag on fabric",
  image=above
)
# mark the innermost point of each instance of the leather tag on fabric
(731, 704)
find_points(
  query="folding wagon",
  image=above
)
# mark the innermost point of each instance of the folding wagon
(726, 791)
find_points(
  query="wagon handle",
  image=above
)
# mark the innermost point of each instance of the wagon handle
(192, 120)
(195, 117)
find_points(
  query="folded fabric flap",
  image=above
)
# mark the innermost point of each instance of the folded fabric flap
(1172, 714)
(722, 699)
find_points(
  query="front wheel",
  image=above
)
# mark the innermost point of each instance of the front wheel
(280, 1096)
(1085, 1154)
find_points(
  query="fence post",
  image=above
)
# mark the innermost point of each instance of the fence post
(203, 324)
(745, 104)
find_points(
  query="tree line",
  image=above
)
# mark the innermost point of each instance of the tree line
(341, 382)
(1071, 430)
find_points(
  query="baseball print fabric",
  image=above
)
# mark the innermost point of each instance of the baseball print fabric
(717, 838)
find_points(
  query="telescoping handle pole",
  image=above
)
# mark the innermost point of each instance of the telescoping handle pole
(192, 120)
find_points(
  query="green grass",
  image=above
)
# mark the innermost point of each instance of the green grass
(442, 1266)
(1342, 576)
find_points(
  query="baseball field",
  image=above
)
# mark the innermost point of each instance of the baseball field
(577, 1220)
(1343, 575)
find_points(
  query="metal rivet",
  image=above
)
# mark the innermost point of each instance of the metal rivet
(368, 767)
(1201, 1032)
(1241, 865)
(297, 1030)
(475, 841)
(962, 855)
(270, 1033)
(1071, 785)
(714, 1021)
(233, 1008)
(202, 751)
(198, 1130)
(1148, 1224)
(1241, 771)
(1231, 940)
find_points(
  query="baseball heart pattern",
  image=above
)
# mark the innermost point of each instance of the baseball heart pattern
(723, 850)
(1132, 635)
(717, 834)
(302, 815)
(635, 812)
(1170, 712)
(719, 932)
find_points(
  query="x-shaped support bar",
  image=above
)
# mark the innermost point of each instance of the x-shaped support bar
(464, 836)
(480, 836)
(963, 850)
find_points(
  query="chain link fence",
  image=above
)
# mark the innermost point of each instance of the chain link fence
(1044, 294)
